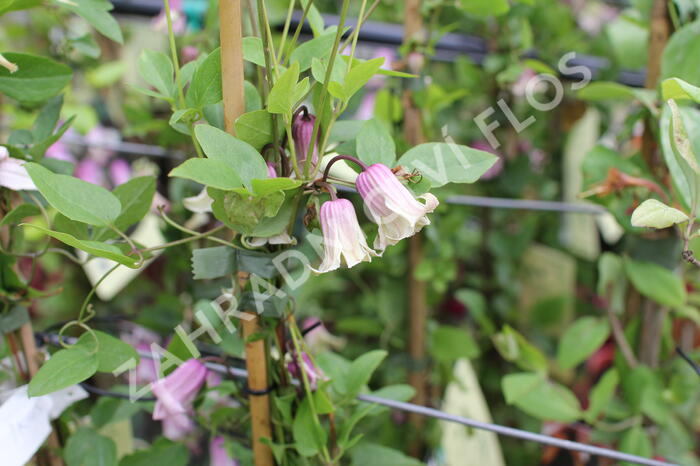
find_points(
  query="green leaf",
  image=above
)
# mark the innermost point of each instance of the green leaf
(655, 214)
(314, 17)
(163, 451)
(319, 67)
(514, 347)
(253, 50)
(367, 453)
(239, 155)
(361, 370)
(205, 88)
(255, 128)
(679, 53)
(375, 144)
(39, 148)
(136, 197)
(674, 88)
(318, 47)
(213, 262)
(19, 213)
(602, 394)
(679, 138)
(608, 90)
(75, 198)
(96, 12)
(636, 442)
(355, 79)
(485, 7)
(110, 410)
(444, 163)
(244, 211)
(655, 282)
(36, 79)
(48, 117)
(96, 248)
(209, 172)
(309, 437)
(281, 98)
(270, 185)
(253, 101)
(157, 70)
(580, 340)
(450, 343)
(111, 352)
(686, 180)
(66, 367)
(540, 398)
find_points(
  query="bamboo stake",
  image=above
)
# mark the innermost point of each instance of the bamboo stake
(232, 79)
(231, 24)
(417, 291)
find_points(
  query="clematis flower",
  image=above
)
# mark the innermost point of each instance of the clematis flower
(177, 16)
(12, 174)
(91, 171)
(342, 236)
(313, 374)
(119, 171)
(218, 456)
(175, 394)
(391, 206)
(302, 130)
(271, 172)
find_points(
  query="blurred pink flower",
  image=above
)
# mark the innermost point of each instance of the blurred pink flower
(101, 141)
(176, 15)
(91, 171)
(60, 151)
(119, 171)
(218, 456)
(175, 394)
(189, 53)
(313, 374)
(271, 172)
(319, 338)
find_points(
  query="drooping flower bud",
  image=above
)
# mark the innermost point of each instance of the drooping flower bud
(313, 374)
(342, 236)
(271, 171)
(302, 131)
(391, 206)
(175, 394)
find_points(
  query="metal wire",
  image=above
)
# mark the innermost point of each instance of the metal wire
(526, 204)
(424, 411)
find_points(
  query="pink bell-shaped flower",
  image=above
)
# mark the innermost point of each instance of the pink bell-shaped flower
(391, 206)
(302, 131)
(342, 236)
(313, 374)
(12, 174)
(175, 394)
(218, 456)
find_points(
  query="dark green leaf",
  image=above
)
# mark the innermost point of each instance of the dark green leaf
(209, 172)
(112, 353)
(213, 262)
(205, 88)
(36, 79)
(66, 367)
(88, 448)
(157, 70)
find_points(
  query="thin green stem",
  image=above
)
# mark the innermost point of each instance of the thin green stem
(131, 244)
(295, 37)
(205, 235)
(324, 90)
(173, 53)
(285, 30)
(360, 22)
(92, 292)
(356, 33)
(296, 337)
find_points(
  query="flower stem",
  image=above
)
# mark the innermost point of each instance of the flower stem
(324, 91)
(173, 53)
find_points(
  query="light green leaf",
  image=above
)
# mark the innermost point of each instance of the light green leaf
(241, 156)
(444, 163)
(357, 77)
(449, 343)
(96, 248)
(309, 438)
(136, 197)
(253, 50)
(674, 88)
(580, 340)
(318, 47)
(19, 213)
(112, 353)
(375, 145)
(270, 185)
(679, 53)
(601, 394)
(75, 198)
(679, 138)
(255, 128)
(66, 367)
(209, 172)
(36, 79)
(655, 214)
(281, 98)
(656, 282)
(157, 70)
(636, 442)
(205, 88)
(485, 7)
(608, 90)
(88, 448)
(96, 12)
(319, 67)
(514, 347)
(361, 370)
(541, 398)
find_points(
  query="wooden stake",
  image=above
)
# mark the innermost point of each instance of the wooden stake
(256, 364)
(417, 291)
(232, 79)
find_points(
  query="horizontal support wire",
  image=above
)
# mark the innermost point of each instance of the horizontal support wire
(425, 411)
